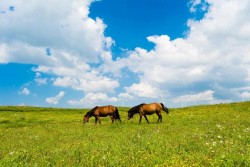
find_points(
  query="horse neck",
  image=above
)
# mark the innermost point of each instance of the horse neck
(140, 107)
(136, 109)
(89, 114)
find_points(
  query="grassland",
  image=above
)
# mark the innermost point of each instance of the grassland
(213, 135)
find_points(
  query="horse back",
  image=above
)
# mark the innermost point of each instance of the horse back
(151, 108)
(105, 110)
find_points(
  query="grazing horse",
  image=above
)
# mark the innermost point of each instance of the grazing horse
(147, 109)
(103, 111)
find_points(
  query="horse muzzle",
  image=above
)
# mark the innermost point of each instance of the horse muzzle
(129, 118)
(85, 121)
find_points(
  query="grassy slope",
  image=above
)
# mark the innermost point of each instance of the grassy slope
(193, 136)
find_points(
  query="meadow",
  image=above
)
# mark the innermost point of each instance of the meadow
(208, 135)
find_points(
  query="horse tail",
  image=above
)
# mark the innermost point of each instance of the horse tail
(164, 108)
(117, 114)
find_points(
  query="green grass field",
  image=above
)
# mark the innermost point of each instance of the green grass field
(213, 135)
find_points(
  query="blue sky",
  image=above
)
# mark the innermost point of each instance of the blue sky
(134, 19)
(84, 53)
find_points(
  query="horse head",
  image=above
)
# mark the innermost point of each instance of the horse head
(87, 116)
(85, 119)
(130, 114)
(134, 110)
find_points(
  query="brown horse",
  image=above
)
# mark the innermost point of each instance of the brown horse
(147, 109)
(103, 111)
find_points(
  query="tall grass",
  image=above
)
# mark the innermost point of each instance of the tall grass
(216, 135)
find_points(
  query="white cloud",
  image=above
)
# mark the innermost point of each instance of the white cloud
(70, 30)
(93, 99)
(170, 62)
(198, 5)
(99, 97)
(141, 90)
(214, 52)
(89, 83)
(242, 89)
(202, 96)
(39, 80)
(125, 96)
(25, 91)
(22, 104)
(73, 38)
(56, 99)
(72, 35)
(245, 95)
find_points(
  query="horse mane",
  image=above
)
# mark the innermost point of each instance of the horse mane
(142, 104)
(136, 109)
(89, 113)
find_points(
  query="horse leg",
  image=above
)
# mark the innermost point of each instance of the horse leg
(112, 118)
(159, 117)
(140, 118)
(146, 118)
(96, 120)
(99, 120)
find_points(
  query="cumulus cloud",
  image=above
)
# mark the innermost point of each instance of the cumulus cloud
(73, 38)
(125, 96)
(69, 31)
(88, 83)
(242, 92)
(25, 91)
(245, 95)
(62, 46)
(210, 61)
(214, 54)
(55, 99)
(198, 5)
(39, 80)
(141, 90)
(94, 98)
(202, 96)
(22, 104)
